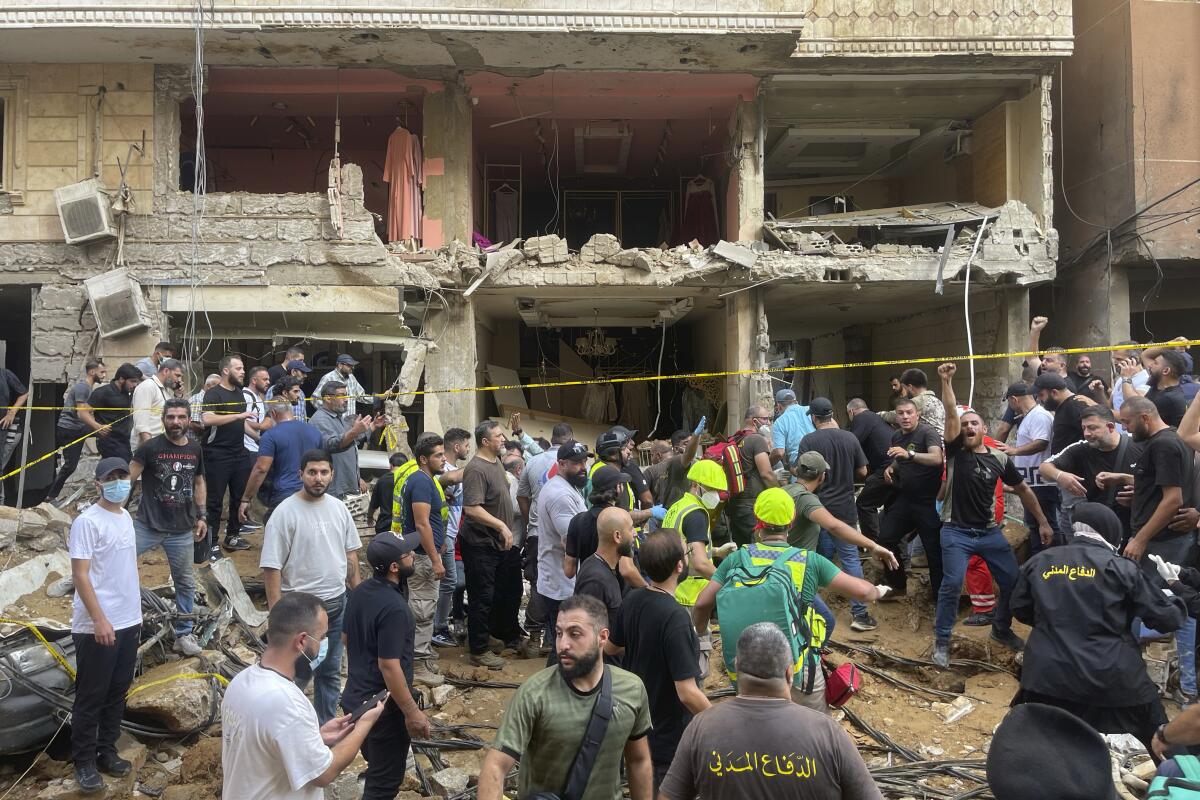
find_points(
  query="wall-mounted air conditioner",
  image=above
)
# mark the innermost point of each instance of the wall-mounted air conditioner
(117, 303)
(85, 211)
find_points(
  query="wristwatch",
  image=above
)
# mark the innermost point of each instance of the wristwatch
(1160, 733)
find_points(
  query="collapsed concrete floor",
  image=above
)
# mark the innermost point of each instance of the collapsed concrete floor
(944, 716)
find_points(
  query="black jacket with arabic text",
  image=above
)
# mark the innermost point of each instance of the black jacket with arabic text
(1081, 599)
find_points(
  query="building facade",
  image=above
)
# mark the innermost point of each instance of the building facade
(538, 192)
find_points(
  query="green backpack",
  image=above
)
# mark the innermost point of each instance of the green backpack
(766, 593)
(1185, 788)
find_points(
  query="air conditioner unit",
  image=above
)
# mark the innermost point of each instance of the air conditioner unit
(117, 303)
(85, 211)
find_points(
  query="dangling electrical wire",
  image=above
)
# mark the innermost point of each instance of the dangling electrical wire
(967, 309)
(191, 350)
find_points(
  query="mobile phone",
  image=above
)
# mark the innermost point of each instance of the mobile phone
(367, 705)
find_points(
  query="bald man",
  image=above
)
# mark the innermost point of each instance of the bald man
(598, 575)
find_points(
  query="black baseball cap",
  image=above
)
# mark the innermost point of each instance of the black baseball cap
(1018, 389)
(607, 478)
(108, 466)
(573, 451)
(387, 548)
(1049, 380)
(300, 365)
(820, 407)
(346, 358)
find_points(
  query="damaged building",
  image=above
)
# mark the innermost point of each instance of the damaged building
(529, 193)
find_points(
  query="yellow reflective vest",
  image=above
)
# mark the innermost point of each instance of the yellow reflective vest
(402, 473)
(690, 587)
(597, 464)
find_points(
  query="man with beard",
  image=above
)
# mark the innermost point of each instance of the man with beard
(545, 725)
(379, 648)
(558, 502)
(255, 393)
(171, 513)
(149, 397)
(612, 449)
(343, 372)
(333, 422)
(423, 515)
(1081, 599)
(598, 575)
(1087, 383)
(225, 417)
(1056, 397)
(311, 545)
(1032, 447)
(609, 485)
(107, 413)
(968, 519)
(1074, 470)
(1166, 368)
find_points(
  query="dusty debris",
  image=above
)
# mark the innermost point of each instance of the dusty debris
(221, 579)
(546, 249)
(449, 782)
(344, 787)
(742, 256)
(181, 705)
(954, 710)
(29, 576)
(442, 694)
(631, 258)
(600, 247)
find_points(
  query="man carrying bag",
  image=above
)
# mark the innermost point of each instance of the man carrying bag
(571, 724)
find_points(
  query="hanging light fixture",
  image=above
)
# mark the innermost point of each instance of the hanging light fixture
(595, 342)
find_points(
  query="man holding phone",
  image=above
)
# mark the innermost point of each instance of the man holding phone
(379, 629)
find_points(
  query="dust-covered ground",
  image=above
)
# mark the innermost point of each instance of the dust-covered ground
(176, 769)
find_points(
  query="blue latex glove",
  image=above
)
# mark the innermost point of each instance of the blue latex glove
(700, 428)
(658, 512)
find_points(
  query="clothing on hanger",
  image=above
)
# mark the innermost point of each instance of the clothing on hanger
(404, 170)
(505, 200)
(700, 212)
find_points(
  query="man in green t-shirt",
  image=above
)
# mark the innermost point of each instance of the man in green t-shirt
(810, 470)
(810, 571)
(544, 724)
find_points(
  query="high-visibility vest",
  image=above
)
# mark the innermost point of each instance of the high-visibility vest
(690, 587)
(402, 473)
(763, 555)
(597, 464)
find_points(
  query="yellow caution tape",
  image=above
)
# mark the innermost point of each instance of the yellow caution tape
(57, 450)
(66, 665)
(221, 679)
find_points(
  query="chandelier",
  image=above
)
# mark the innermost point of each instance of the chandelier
(595, 343)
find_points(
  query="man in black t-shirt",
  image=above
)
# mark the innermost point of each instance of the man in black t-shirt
(875, 436)
(609, 485)
(1102, 449)
(916, 475)
(169, 516)
(107, 413)
(1166, 367)
(1057, 398)
(968, 519)
(847, 461)
(654, 636)
(225, 417)
(379, 627)
(598, 575)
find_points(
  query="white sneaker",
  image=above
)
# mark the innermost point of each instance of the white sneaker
(187, 645)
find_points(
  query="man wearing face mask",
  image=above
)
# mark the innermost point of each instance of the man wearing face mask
(106, 625)
(690, 519)
(272, 745)
(225, 470)
(311, 545)
(558, 502)
(598, 575)
(379, 646)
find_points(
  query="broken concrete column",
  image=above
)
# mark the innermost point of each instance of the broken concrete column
(746, 187)
(740, 335)
(451, 365)
(448, 157)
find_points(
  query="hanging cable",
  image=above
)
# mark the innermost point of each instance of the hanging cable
(967, 309)
(191, 346)
(658, 384)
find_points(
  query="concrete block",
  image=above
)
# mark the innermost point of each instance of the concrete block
(623, 258)
(303, 229)
(352, 182)
(179, 705)
(355, 229)
(61, 297)
(502, 260)
(450, 782)
(215, 205)
(348, 255)
(600, 247)
(742, 256)
(546, 249)
(267, 254)
(284, 204)
(147, 226)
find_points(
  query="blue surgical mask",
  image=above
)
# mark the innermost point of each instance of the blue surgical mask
(316, 660)
(115, 491)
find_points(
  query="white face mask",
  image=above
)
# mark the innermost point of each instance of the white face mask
(710, 499)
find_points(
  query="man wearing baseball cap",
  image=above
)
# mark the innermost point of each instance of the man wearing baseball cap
(792, 423)
(558, 503)
(297, 371)
(1032, 448)
(106, 625)
(380, 629)
(343, 372)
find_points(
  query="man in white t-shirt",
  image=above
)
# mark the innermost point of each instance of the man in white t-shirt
(1032, 448)
(272, 747)
(311, 545)
(106, 623)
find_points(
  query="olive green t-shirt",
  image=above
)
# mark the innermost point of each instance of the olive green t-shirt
(544, 724)
(805, 533)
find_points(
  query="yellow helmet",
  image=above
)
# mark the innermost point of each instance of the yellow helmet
(775, 507)
(709, 474)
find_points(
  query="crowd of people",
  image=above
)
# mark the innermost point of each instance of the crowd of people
(628, 570)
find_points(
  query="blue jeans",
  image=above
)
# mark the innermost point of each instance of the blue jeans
(452, 580)
(958, 545)
(328, 685)
(851, 564)
(178, 547)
